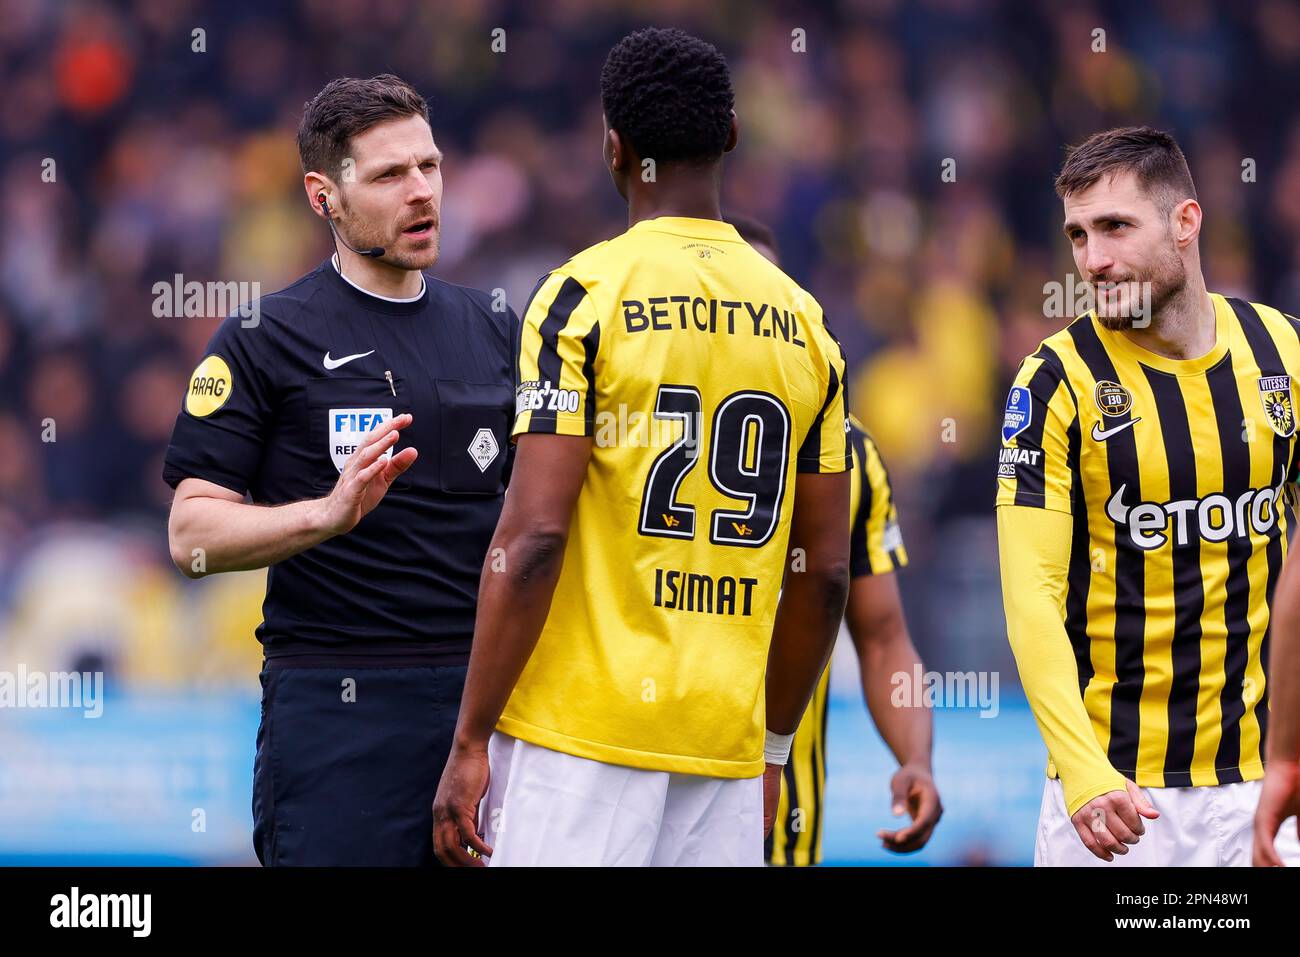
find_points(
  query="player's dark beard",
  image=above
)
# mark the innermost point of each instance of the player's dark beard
(1167, 279)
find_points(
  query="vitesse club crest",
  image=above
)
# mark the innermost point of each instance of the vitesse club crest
(1112, 398)
(1275, 393)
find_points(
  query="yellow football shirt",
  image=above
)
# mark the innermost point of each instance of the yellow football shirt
(707, 380)
(1176, 474)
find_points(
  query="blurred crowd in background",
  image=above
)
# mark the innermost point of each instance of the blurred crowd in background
(141, 140)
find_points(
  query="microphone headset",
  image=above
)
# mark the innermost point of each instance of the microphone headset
(374, 252)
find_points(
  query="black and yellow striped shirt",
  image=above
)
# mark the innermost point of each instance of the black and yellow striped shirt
(875, 547)
(1174, 473)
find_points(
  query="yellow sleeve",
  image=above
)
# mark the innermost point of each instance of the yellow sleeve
(555, 369)
(826, 447)
(875, 539)
(1035, 463)
(1034, 550)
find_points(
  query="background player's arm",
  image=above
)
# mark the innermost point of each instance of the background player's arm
(1280, 797)
(1034, 551)
(879, 632)
(212, 529)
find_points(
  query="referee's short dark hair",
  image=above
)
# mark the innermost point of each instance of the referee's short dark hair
(668, 94)
(347, 107)
(1152, 155)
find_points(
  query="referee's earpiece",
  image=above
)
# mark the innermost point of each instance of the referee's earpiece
(374, 252)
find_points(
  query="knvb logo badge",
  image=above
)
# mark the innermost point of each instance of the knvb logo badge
(483, 449)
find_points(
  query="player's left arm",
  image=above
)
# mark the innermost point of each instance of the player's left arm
(1280, 797)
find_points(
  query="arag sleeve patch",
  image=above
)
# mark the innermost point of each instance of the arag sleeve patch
(209, 387)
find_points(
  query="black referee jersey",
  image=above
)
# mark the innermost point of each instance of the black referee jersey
(275, 409)
(366, 635)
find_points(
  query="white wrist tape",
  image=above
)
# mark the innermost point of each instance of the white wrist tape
(776, 748)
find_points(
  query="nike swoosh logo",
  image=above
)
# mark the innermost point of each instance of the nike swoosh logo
(335, 363)
(1101, 435)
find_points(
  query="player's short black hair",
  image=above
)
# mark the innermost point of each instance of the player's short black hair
(347, 107)
(754, 231)
(669, 95)
(1152, 155)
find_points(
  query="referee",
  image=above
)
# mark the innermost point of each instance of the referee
(296, 448)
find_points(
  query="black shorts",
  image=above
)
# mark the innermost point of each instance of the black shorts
(348, 761)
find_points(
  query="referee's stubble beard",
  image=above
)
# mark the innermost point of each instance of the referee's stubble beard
(396, 198)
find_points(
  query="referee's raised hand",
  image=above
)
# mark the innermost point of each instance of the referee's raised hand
(366, 476)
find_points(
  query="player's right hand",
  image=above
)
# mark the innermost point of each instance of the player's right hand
(1111, 821)
(366, 476)
(455, 808)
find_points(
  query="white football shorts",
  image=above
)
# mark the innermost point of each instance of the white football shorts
(1206, 826)
(546, 807)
